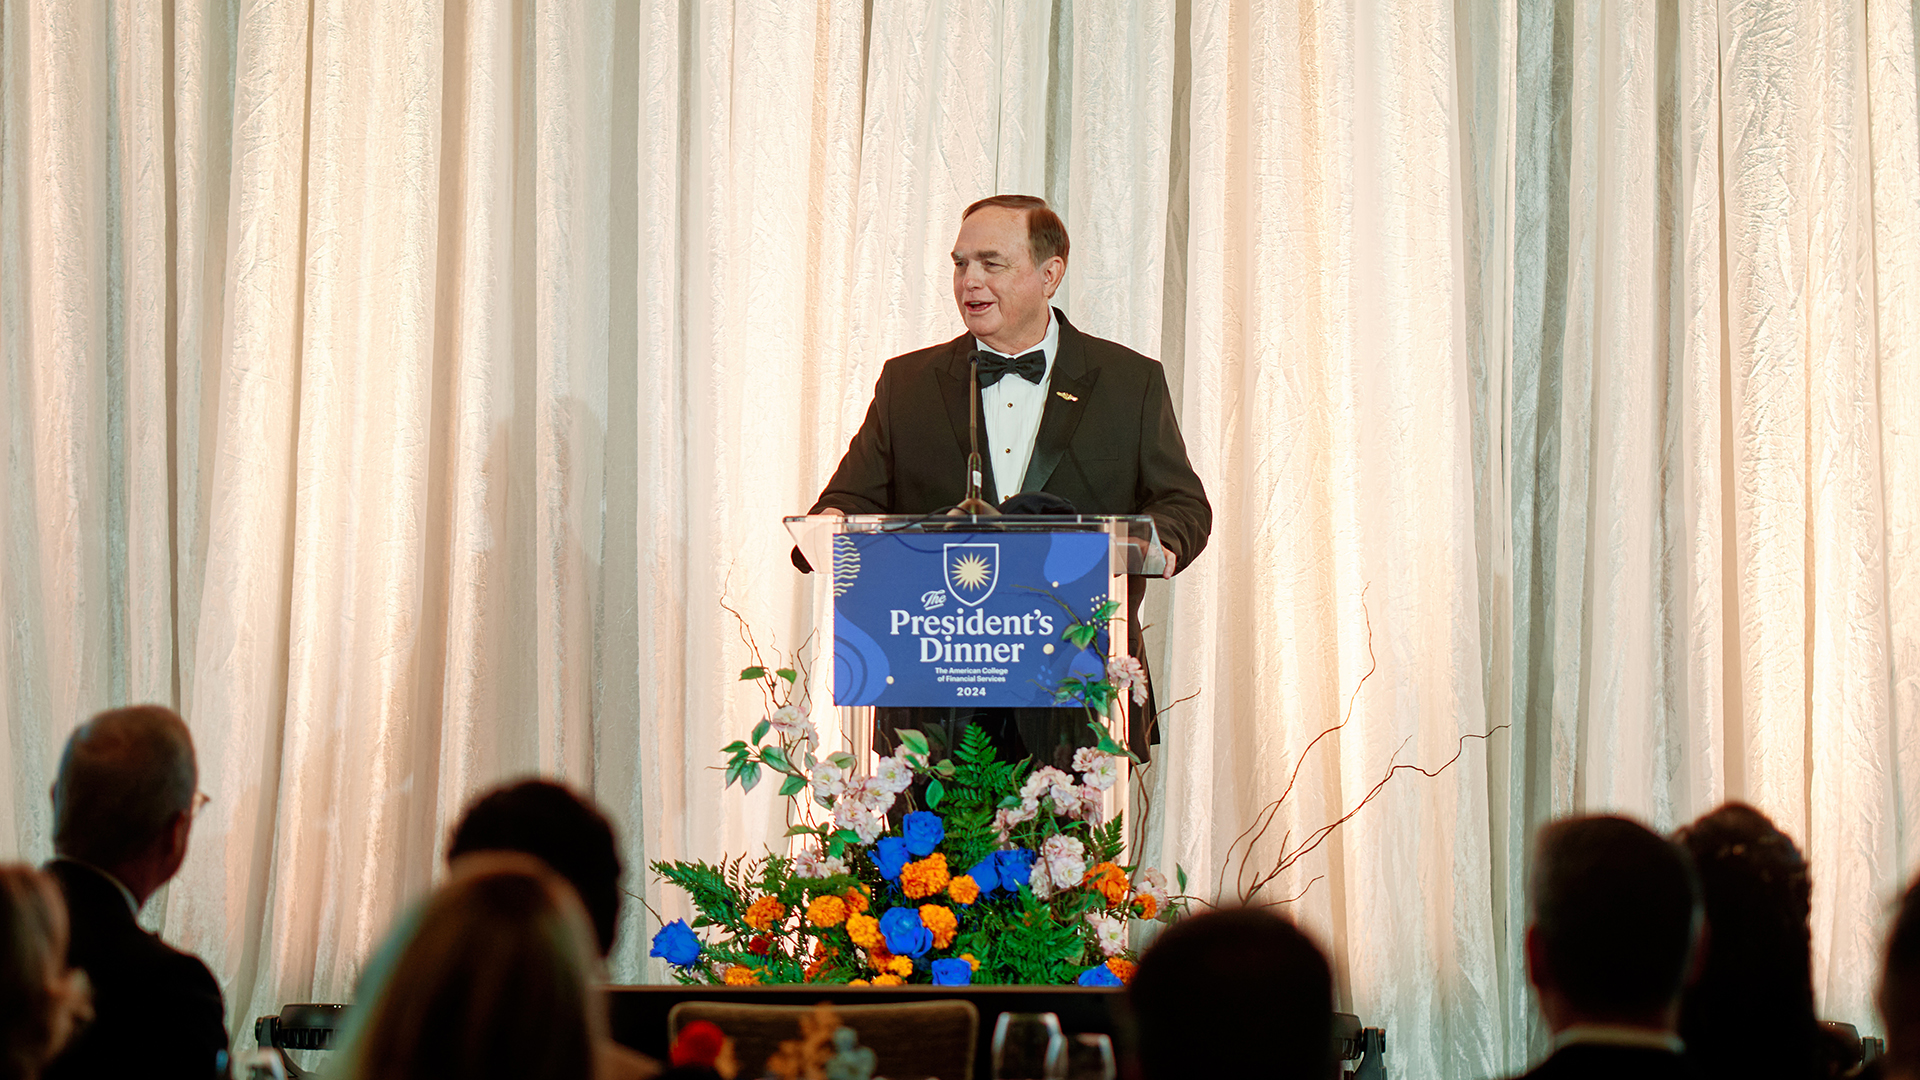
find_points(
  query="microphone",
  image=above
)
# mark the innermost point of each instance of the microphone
(973, 504)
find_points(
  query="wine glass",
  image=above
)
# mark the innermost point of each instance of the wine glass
(1090, 1057)
(1029, 1046)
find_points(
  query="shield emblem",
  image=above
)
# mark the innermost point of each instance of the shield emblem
(972, 570)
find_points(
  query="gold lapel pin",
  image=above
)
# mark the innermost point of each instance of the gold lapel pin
(1066, 395)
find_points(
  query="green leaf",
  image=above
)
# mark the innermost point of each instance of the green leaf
(1107, 745)
(749, 674)
(935, 792)
(843, 761)
(847, 836)
(749, 777)
(760, 731)
(776, 759)
(915, 742)
(733, 772)
(835, 846)
(793, 785)
(1080, 634)
(1009, 802)
(802, 830)
(788, 674)
(1180, 876)
(1105, 611)
(734, 747)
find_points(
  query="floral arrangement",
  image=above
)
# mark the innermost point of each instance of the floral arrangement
(964, 870)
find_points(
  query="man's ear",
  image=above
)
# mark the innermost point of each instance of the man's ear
(176, 836)
(1538, 972)
(1052, 272)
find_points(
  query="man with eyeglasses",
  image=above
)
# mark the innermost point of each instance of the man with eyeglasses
(123, 804)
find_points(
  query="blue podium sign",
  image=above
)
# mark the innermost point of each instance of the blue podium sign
(963, 618)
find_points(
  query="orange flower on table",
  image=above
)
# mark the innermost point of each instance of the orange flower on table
(963, 890)
(901, 966)
(865, 931)
(888, 980)
(858, 982)
(926, 877)
(827, 911)
(971, 959)
(940, 922)
(879, 957)
(1110, 881)
(1145, 905)
(765, 912)
(1122, 969)
(856, 899)
(742, 975)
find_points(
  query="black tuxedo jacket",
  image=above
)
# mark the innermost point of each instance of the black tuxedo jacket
(1592, 1062)
(1108, 443)
(157, 1011)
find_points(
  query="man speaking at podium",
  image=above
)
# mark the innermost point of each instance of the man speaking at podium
(1086, 421)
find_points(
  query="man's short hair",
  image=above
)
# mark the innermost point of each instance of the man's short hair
(1046, 233)
(1234, 992)
(123, 776)
(567, 832)
(1617, 910)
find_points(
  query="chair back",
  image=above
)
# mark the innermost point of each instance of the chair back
(910, 1039)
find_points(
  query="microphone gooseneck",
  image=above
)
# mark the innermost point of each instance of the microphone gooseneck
(973, 504)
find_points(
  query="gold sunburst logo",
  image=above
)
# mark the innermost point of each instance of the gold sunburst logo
(970, 571)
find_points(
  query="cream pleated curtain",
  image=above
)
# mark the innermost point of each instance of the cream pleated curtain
(402, 388)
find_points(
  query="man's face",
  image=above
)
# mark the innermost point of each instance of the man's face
(1002, 294)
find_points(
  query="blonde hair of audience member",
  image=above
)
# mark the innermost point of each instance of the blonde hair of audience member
(499, 978)
(42, 1000)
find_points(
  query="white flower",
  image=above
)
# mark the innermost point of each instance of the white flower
(1043, 778)
(1151, 882)
(1064, 798)
(791, 723)
(829, 782)
(1103, 772)
(868, 826)
(894, 775)
(1110, 933)
(1084, 758)
(1092, 802)
(1065, 860)
(809, 864)
(1124, 671)
(1040, 883)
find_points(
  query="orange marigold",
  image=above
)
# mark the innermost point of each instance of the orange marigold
(856, 900)
(971, 960)
(864, 930)
(888, 980)
(901, 966)
(926, 877)
(940, 923)
(742, 975)
(858, 982)
(963, 890)
(1146, 905)
(765, 912)
(1110, 880)
(1122, 969)
(827, 911)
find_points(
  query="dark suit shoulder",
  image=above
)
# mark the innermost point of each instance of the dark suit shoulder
(1594, 1062)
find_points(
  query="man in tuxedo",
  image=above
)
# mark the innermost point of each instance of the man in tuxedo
(1615, 935)
(1085, 421)
(123, 804)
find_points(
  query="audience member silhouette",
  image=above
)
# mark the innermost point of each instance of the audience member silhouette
(1750, 1013)
(1616, 917)
(571, 836)
(42, 999)
(123, 804)
(496, 978)
(1900, 991)
(1239, 992)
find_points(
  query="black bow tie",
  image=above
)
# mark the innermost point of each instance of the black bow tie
(1031, 367)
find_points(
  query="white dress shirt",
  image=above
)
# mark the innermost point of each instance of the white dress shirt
(1012, 407)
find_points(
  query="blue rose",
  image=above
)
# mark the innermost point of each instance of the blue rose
(906, 935)
(924, 831)
(889, 855)
(984, 876)
(952, 973)
(676, 944)
(1012, 868)
(1098, 975)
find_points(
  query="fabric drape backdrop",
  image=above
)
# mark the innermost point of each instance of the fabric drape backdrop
(400, 389)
